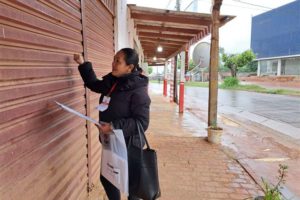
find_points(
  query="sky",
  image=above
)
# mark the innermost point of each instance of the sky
(235, 36)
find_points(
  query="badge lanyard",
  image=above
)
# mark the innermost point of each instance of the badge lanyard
(105, 102)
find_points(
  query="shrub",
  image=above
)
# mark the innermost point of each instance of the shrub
(230, 82)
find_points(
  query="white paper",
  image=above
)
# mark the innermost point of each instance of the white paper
(77, 113)
(114, 162)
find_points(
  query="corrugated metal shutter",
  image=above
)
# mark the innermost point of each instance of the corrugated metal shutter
(99, 49)
(43, 150)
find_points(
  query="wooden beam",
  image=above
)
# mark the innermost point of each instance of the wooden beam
(150, 54)
(154, 45)
(214, 64)
(141, 27)
(157, 61)
(156, 64)
(183, 41)
(161, 35)
(225, 19)
(174, 19)
(168, 24)
(163, 42)
(165, 32)
(148, 45)
(163, 54)
(195, 39)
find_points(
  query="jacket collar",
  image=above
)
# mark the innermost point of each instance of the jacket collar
(132, 81)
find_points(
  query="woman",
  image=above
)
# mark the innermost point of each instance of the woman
(124, 100)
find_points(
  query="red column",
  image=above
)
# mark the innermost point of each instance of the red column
(172, 80)
(183, 63)
(165, 87)
(181, 97)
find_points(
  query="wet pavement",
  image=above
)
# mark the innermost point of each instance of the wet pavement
(279, 112)
(190, 167)
(260, 151)
(258, 148)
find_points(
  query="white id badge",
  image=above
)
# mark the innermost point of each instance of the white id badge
(104, 105)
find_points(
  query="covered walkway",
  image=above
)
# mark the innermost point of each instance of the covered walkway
(189, 166)
(174, 31)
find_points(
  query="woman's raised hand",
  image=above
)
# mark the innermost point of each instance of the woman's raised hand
(78, 58)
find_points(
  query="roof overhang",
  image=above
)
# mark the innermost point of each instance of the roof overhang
(175, 31)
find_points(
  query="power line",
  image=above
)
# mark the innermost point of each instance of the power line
(226, 4)
(253, 4)
(189, 5)
(238, 6)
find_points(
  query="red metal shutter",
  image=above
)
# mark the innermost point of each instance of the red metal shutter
(42, 148)
(99, 49)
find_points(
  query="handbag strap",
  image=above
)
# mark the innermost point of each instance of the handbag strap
(141, 133)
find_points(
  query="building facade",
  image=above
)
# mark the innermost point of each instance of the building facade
(275, 39)
(46, 153)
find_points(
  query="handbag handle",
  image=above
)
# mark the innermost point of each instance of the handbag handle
(141, 131)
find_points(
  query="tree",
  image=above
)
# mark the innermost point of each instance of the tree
(221, 50)
(178, 62)
(191, 65)
(235, 61)
(150, 69)
(252, 66)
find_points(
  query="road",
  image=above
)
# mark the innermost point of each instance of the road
(280, 112)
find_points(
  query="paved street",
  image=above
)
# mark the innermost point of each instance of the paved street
(279, 112)
(277, 107)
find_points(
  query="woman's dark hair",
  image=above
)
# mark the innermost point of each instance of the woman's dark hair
(132, 57)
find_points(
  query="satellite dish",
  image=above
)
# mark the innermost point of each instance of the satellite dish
(201, 54)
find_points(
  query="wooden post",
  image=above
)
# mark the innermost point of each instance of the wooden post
(213, 63)
(186, 60)
(175, 81)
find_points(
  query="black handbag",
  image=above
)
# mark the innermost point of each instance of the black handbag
(143, 170)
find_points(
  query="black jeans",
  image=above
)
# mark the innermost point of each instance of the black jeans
(112, 192)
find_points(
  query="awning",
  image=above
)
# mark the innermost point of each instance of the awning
(174, 31)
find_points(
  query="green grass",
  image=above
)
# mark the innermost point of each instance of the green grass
(156, 81)
(196, 84)
(250, 88)
(256, 88)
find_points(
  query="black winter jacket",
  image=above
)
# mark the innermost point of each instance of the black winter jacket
(129, 101)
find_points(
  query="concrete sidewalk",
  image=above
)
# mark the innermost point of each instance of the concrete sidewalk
(258, 148)
(189, 167)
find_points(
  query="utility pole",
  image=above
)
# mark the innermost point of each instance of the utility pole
(178, 5)
(195, 5)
